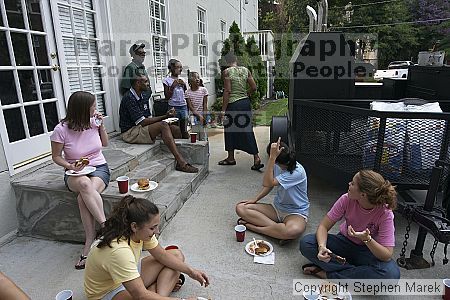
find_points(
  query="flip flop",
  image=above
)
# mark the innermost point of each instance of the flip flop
(284, 242)
(314, 272)
(226, 162)
(241, 221)
(81, 262)
(179, 284)
(257, 167)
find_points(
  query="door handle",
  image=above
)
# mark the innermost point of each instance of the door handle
(56, 68)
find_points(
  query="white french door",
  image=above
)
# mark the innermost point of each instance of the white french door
(78, 34)
(30, 81)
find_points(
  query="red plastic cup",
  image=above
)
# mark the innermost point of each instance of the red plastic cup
(122, 182)
(240, 232)
(193, 137)
(171, 247)
(446, 289)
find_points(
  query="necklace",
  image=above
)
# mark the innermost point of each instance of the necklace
(366, 211)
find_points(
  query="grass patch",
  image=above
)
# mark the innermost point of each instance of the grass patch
(263, 116)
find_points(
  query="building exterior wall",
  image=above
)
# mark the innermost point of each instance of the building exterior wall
(131, 24)
(8, 215)
(183, 17)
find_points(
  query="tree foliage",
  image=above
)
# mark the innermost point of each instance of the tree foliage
(248, 55)
(394, 42)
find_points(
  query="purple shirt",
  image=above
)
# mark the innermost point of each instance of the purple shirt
(380, 220)
(177, 98)
(77, 144)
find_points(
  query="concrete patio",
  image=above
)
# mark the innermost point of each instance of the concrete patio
(204, 229)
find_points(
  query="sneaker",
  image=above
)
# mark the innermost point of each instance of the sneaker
(187, 168)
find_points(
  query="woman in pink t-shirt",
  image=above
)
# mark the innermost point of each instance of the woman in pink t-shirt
(82, 134)
(365, 243)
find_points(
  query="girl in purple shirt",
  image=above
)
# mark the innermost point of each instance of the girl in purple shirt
(80, 135)
(365, 243)
(174, 89)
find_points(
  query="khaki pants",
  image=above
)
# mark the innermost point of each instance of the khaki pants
(137, 135)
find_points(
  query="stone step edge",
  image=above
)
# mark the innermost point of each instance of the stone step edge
(161, 156)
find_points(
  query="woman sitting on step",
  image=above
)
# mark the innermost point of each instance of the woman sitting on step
(81, 136)
(366, 237)
(286, 218)
(115, 269)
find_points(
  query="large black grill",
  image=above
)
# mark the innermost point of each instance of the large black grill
(336, 141)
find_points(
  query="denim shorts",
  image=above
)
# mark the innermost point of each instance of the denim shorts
(102, 172)
(181, 112)
(120, 288)
(281, 215)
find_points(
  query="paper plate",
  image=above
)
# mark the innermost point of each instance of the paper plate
(171, 120)
(152, 185)
(249, 248)
(86, 170)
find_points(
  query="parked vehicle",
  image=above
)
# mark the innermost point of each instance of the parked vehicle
(401, 64)
(393, 73)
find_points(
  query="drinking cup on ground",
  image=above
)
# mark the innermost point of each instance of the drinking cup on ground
(64, 295)
(240, 232)
(122, 182)
(311, 295)
(193, 137)
(446, 289)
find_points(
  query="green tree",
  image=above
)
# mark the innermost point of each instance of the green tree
(394, 42)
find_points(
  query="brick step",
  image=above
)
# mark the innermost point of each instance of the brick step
(46, 209)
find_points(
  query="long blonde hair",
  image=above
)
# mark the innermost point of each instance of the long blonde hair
(378, 190)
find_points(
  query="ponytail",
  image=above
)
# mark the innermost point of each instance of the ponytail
(378, 190)
(286, 157)
(127, 211)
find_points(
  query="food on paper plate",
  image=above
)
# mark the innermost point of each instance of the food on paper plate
(143, 184)
(84, 161)
(262, 248)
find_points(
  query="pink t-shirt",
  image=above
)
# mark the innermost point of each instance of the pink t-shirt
(380, 220)
(79, 144)
(196, 98)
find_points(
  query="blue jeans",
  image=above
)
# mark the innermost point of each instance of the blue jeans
(181, 112)
(361, 263)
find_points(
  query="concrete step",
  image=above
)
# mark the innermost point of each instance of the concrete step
(46, 209)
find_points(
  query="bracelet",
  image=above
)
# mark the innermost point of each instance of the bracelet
(368, 240)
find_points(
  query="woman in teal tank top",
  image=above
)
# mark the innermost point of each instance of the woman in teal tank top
(237, 113)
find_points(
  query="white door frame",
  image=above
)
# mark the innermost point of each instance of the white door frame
(30, 149)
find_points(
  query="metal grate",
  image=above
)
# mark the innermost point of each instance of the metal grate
(341, 140)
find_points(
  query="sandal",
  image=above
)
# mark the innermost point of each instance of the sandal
(257, 167)
(179, 283)
(314, 272)
(284, 242)
(187, 168)
(227, 162)
(241, 221)
(81, 262)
